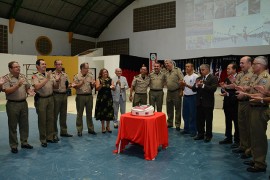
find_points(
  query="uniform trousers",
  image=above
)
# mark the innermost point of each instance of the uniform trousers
(17, 113)
(45, 111)
(60, 109)
(259, 117)
(244, 125)
(156, 99)
(139, 99)
(173, 103)
(84, 101)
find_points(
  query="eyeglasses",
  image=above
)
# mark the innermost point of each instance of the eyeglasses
(16, 67)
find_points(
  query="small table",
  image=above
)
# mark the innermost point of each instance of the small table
(148, 131)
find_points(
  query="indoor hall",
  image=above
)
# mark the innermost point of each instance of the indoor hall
(92, 157)
(101, 32)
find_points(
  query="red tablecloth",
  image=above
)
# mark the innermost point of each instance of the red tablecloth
(150, 132)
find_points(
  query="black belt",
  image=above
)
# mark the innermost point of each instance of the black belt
(140, 93)
(59, 92)
(17, 100)
(173, 90)
(258, 105)
(189, 95)
(84, 94)
(45, 96)
(156, 89)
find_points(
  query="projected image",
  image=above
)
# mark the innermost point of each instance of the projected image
(227, 23)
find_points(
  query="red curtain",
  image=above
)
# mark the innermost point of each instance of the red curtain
(129, 74)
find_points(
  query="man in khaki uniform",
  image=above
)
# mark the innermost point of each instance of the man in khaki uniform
(140, 84)
(60, 100)
(157, 81)
(83, 83)
(174, 93)
(243, 80)
(258, 116)
(44, 84)
(16, 88)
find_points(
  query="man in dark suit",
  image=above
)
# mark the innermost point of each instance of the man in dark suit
(230, 105)
(205, 86)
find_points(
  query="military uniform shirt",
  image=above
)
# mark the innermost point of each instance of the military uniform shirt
(47, 89)
(157, 81)
(62, 84)
(140, 84)
(261, 80)
(243, 79)
(86, 87)
(172, 79)
(20, 93)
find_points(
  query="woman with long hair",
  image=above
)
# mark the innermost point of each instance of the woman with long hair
(104, 104)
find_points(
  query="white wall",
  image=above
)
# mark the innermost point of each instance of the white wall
(108, 62)
(167, 43)
(21, 59)
(23, 38)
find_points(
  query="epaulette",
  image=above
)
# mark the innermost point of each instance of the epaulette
(5, 76)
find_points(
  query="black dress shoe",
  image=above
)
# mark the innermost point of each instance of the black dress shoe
(66, 135)
(192, 135)
(26, 146)
(255, 169)
(207, 139)
(244, 156)
(92, 132)
(199, 137)
(235, 145)
(14, 150)
(44, 145)
(169, 126)
(56, 138)
(238, 150)
(52, 141)
(177, 128)
(249, 163)
(226, 141)
(115, 126)
(79, 134)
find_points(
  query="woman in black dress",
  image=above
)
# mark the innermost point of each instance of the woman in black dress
(104, 104)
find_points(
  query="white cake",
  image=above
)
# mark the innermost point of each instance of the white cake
(143, 110)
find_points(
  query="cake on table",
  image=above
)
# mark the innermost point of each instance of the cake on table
(143, 110)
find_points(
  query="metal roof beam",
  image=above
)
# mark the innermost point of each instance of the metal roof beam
(84, 10)
(15, 8)
(112, 3)
(81, 7)
(123, 6)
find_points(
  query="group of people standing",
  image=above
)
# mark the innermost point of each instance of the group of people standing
(246, 98)
(197, 92)
(50, 99)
